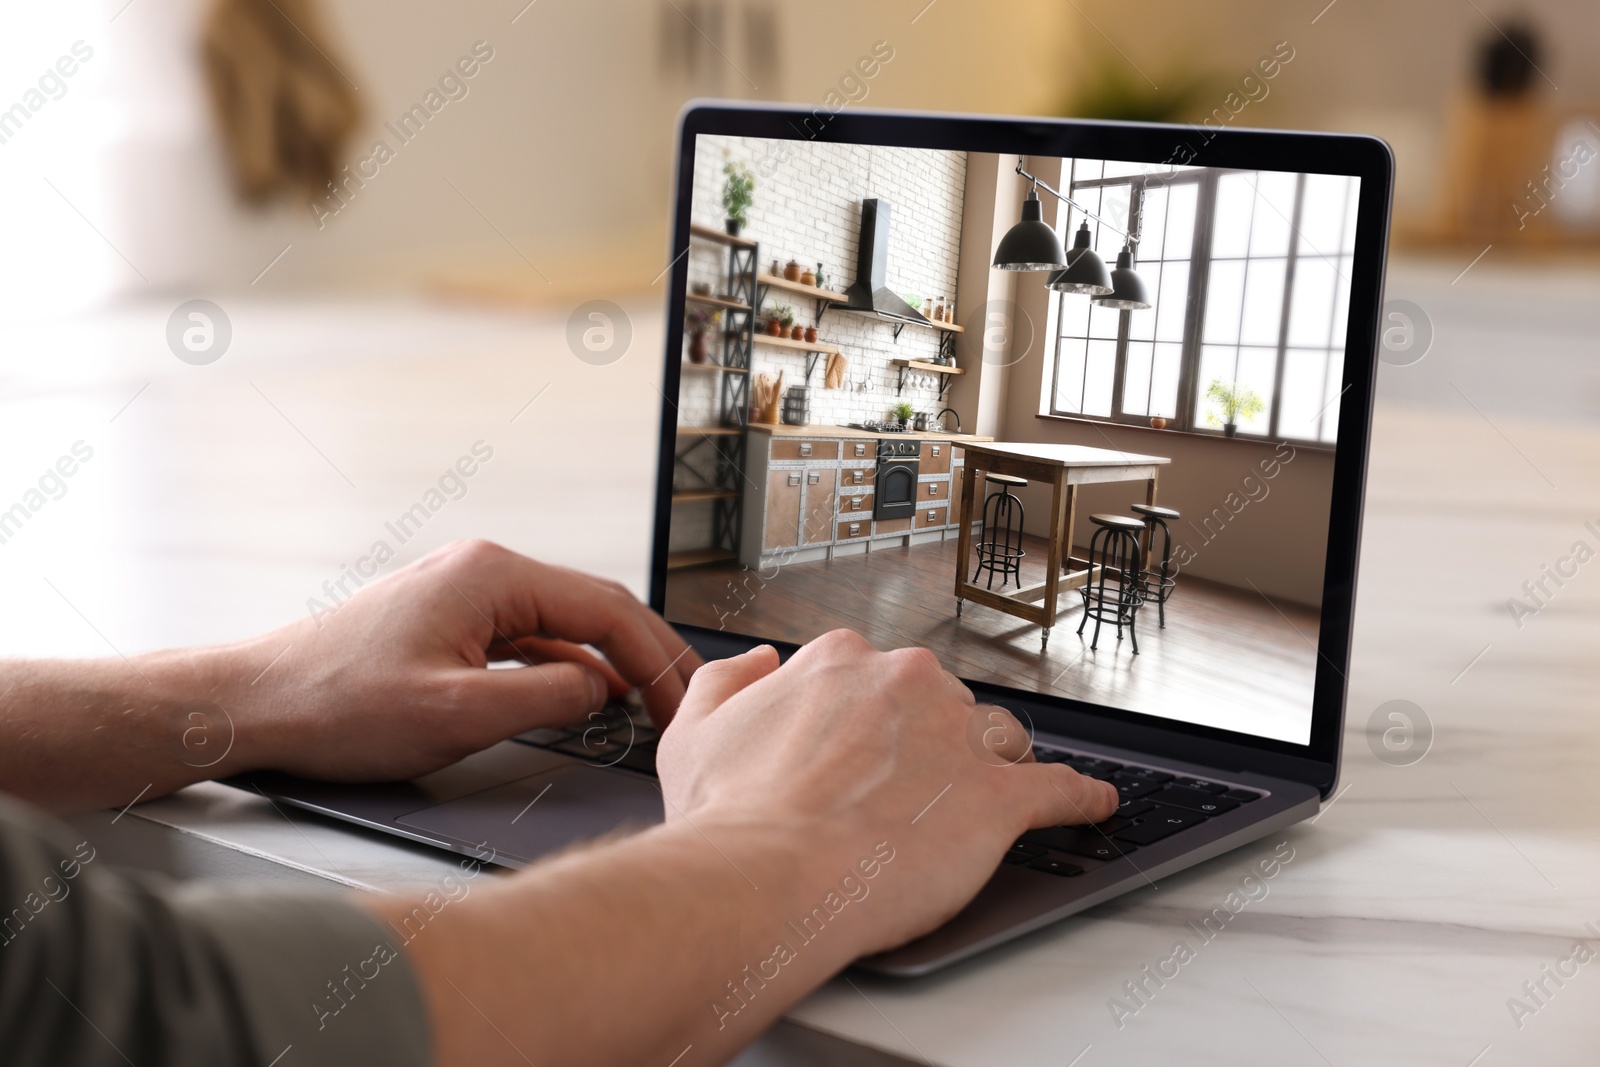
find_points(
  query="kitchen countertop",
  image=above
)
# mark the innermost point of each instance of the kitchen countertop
(851, 433)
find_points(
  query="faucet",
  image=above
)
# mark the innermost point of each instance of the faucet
(952, 411)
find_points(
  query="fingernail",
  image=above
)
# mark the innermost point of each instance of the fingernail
(597, 691)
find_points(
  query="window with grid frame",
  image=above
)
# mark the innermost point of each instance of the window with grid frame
(1249, 279)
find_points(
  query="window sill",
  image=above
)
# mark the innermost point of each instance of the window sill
(1266, 442)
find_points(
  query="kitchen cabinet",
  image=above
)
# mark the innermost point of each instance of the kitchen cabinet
(782, 526)
(816, 494)
(821, 486)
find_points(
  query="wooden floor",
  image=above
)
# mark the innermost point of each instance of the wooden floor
(1227, 657)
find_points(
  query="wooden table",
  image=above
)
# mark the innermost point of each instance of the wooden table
(1064, 467)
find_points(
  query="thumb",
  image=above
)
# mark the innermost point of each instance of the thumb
(503, 702)
(719, 680)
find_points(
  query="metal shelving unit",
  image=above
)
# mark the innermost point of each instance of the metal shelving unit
(728, 441)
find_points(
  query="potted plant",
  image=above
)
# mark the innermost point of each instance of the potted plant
(903, 412)
(701, 324)
(783, 317)
(1232, 403)
(738, 193)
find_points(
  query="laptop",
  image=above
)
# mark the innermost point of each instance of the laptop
(1122, 498)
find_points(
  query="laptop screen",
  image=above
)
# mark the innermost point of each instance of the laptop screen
(1080, 446)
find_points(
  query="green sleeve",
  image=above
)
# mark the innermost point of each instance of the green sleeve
(98, 967)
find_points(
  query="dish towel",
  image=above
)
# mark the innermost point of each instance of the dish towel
(286, 107)
(833, 374)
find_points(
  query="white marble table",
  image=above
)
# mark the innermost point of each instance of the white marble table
(1415, 907)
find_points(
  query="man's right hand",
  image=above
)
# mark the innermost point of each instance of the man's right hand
(844, 747)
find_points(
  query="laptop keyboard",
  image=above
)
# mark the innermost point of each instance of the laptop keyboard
(618, 735)
(1155, 805)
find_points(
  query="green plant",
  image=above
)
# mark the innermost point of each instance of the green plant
(1236, 403)
(903, 411)
(784, 314)
(1107, 89)
(915, 301)
(738, 192)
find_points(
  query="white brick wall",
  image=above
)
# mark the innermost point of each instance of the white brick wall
(808, 208)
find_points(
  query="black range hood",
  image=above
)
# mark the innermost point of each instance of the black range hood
(870, 293)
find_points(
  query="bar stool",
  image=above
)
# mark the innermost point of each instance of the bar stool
(1000, 540)
(1114, 546)
(1159, 587)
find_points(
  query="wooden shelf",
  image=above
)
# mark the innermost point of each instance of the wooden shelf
(709, 431)
(717, 302)
(711, 233)
(948, 327)
(930, 368)
(689, 495)
(709, 368)
(795, 346)
(696, 557)
(778, 281)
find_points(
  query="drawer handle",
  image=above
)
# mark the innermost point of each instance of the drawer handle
(814, 477)
(794, 479)
(929, 514)
(936, 449)
(805, 450)
(855, 503)
(859, 475)
(855, 528)
(861, 449)
(933, 488)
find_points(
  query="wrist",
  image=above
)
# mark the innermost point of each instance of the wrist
(214, 721)
(801, 879)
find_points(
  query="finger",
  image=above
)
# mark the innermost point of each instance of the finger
(531, 598)
(1053, 794)
(1002, 736)
(720, 679)
(500, 703)
(533, 650)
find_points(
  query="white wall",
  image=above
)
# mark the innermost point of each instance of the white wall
(808, 208)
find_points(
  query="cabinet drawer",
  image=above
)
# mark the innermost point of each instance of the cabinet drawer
(933, 490)
(804, 450)
(858, 475)
(894, 526)
(856, 529)
(933, 517)
(958, 454)
(859, 504)
(860, 449)
(936, 457)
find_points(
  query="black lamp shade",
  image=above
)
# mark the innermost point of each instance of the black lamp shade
(1128, 291)
(1030, 244)
(1085, 272)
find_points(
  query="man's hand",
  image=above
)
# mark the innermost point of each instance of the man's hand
(845, 746)
(390, 685)
(779, 783)
(393, 685)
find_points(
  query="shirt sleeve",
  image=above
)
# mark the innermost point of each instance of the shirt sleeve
(98, 967)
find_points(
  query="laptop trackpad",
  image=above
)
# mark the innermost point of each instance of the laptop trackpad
(541, 814)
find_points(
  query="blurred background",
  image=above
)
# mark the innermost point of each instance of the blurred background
(397, 207)
(557, 153)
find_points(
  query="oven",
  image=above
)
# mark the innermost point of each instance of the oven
(896, 489)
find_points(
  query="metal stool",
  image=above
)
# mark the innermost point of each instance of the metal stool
(1000, 540)
(1114, 546)
(1158, 587)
